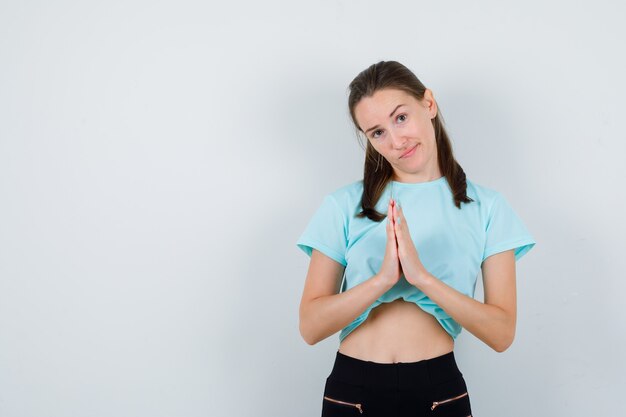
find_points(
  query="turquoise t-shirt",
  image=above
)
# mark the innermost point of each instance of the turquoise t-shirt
(452, 243)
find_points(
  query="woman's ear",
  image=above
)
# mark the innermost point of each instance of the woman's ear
(430, 103)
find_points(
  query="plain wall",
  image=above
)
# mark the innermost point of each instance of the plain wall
(159, 159)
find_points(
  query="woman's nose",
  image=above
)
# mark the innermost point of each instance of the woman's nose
(397, 140)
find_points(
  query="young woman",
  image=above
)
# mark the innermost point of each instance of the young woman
(395, 258)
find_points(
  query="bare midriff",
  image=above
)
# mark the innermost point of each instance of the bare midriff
(398, 331)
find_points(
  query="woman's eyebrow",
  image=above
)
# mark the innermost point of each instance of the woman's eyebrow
(394, 110)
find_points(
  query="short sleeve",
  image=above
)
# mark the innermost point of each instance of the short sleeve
(326, 232)
(505, 230)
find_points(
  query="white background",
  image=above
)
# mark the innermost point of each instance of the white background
(159, 159)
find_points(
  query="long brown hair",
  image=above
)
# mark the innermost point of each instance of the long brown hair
(377, 171)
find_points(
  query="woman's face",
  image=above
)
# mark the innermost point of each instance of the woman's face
(400, 128)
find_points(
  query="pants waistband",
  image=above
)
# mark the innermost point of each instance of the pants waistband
(401, 374)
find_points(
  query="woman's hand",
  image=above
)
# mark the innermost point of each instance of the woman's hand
(390, 270)
(414, 271)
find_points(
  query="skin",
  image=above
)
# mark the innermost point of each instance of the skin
(400, 331)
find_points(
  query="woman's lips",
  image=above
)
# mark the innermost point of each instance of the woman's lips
(411, 152)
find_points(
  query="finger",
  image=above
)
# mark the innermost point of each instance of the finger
(400, 225)
(400, 218)
(390, 222)
(394, 226)
(391, 246)
(397, 224)
(393, 216)
(396, 216)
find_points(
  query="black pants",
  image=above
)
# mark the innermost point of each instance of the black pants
(430, 387)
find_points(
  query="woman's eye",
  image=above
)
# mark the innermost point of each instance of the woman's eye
(403, 117)
(374, 134)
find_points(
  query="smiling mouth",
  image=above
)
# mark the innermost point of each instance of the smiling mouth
(410, 151)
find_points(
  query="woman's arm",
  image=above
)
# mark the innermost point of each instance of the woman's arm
(493, 321)
(323, 312)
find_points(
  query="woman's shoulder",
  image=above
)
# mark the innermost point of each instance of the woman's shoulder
(347, 196)
(481, 193)
(348, 192)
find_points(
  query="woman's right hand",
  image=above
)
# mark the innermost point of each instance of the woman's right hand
(390, 270)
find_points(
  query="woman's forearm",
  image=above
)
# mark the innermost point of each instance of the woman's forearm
(325, 316)
(489, 323)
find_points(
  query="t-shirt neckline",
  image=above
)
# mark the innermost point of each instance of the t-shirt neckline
(419, 184)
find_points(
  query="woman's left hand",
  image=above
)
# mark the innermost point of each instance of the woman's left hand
(414, 271)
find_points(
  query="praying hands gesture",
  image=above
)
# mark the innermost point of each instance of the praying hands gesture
(401, 257)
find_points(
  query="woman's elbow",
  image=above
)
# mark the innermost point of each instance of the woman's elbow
(306, 331)
(501, 347)
(306, 336)
(503, 343)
